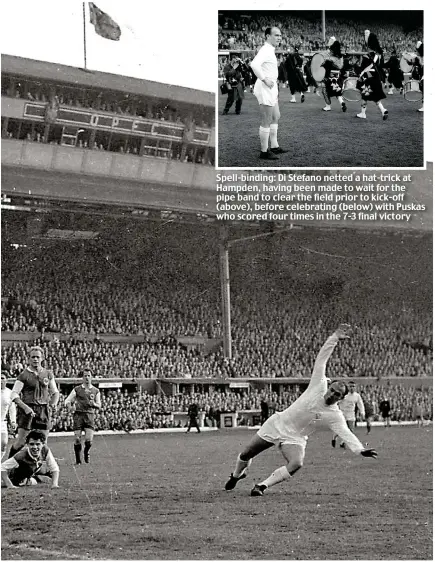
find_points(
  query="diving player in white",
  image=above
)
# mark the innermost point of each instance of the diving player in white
(347, 406)
(289, 429)
(265, 67)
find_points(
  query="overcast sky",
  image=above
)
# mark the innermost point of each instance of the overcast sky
(162, 40)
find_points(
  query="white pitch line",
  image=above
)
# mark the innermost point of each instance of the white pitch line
(60, 555)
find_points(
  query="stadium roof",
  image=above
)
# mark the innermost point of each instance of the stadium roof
(41, 70)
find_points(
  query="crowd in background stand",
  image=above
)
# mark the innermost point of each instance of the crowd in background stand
(124, 411)
(237, 33)
(159, 283)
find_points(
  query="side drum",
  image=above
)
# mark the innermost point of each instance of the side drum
(350, 91)
(412, 91)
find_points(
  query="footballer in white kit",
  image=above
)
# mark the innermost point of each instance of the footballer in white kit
(350, 402)
(289, 430)
(265, 68)
(9, 399)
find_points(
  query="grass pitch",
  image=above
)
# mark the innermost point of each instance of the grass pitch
(318, 139)
(162, 497)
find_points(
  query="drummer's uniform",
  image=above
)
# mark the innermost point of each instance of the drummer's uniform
(417, 71)
(395, 73)
(35, 393)
(369, 81)
(265, 65)
(296, 81)
(333, 81)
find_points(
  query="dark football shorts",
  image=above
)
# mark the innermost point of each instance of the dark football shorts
(83, 420)
(41, 419)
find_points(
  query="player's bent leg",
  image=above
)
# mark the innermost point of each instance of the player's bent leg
(4, 442)
(294, 456)
(19, 442)
(255, 447)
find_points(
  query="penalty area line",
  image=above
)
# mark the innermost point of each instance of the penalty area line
(59, 554)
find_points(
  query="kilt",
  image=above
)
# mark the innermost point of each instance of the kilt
(334, 86)
(371, 88)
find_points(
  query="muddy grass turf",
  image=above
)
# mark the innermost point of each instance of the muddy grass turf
(162, 497)
(316, 138)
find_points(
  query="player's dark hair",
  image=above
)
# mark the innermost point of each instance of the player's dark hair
(36, 435)
(346, 388)
(268, 31)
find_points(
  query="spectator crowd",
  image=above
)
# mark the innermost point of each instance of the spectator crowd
(158, 285)
(124, 411)
(240, 32)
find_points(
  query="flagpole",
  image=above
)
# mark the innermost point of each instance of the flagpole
(84, 34)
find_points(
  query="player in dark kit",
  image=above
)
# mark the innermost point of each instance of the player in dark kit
(385, 409)
(192, 412)
(33, 464)
(86, 399)
(38, 390)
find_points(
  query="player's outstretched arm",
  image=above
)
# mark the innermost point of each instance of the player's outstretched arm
(319, 369)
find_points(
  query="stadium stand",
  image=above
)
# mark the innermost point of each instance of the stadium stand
(56, 104)
(140, 410)
(287, 293)
(242, 31)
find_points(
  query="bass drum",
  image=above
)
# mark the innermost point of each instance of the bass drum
(350, 91)
(317, 70)
(407, 62)
(412, 91)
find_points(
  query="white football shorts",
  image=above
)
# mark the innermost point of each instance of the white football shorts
(4, 427)
(265, 95)
(275, 431)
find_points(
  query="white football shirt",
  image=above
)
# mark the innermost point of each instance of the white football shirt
(310, 410)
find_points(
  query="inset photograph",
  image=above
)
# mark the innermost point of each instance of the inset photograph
(320, 89)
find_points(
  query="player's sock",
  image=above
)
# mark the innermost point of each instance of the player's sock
(274, 135)
(77, 452)
(340, 99)
(264, 138)
(381, 107)
(241, 466)
(279, 475)
(363, 110)
(14, 450)
(88, 445)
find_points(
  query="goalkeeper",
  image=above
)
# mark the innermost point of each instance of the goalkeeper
(289, 429)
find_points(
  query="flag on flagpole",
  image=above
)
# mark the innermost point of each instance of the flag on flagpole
(103, 23)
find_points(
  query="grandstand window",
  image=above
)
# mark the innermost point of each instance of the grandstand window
(101, 140)
(13, 128)
(55, 134)
(6, 85)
